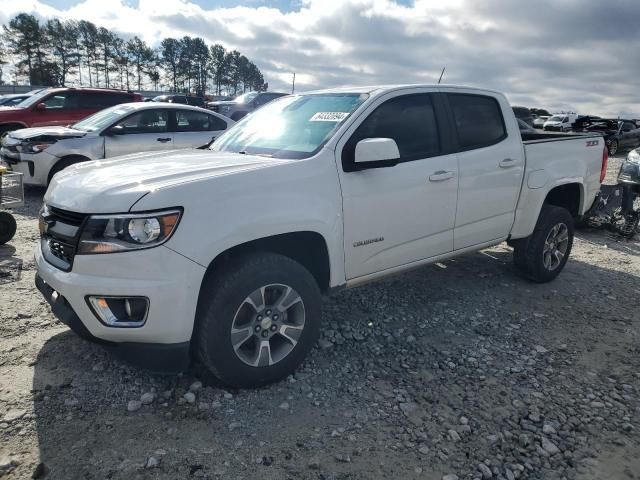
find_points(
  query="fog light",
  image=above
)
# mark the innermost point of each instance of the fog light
(120, 311)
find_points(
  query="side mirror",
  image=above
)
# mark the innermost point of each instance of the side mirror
(116, 130)
(41, 106)
(376, 153)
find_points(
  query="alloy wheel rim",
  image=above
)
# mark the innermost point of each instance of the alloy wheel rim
(613, 147)
(268, 325)
(555, 246)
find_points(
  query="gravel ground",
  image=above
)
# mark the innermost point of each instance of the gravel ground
(460, 370)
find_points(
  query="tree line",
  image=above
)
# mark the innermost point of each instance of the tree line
(56, 52)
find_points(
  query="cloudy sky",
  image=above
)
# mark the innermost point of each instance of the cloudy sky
(559, 54)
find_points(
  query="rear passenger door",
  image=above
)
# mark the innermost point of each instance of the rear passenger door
(398, 215)
(491, 163)
(193, 129)
(143, 131)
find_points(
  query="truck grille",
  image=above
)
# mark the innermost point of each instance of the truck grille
(60, 232)
(65, 216)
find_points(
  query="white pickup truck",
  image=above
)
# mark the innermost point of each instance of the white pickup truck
(223, 254)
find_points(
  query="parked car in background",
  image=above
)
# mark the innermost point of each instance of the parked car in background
(245, 103)
(13, 99)
(525, 127)
(184, 99)
(561, 122)
(618, 134)
(61, 106)
(524, 114)
(39, 153)
(227, 259)
(539, 121)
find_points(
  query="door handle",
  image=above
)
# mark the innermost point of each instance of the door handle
(163, 140)
(508, 163)
(441, 175)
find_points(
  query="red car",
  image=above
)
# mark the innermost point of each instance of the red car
(61, 106)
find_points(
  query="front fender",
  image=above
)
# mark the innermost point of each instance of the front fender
(230, 210)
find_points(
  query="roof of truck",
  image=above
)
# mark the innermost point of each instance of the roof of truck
(379, 89)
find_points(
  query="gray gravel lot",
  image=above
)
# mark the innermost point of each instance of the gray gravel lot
(460, 370)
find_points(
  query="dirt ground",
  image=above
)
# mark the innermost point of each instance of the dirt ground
(461, 370)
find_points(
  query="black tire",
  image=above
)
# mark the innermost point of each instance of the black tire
(222, 298)
(8, 227)
(64, 163)
(613, 146)
(238, 116)
(528, 255)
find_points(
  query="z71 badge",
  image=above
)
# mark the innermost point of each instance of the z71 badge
(592, 143)
(367, 242)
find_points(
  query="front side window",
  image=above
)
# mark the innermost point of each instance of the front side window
(62, 100)
(146, 121)
(478, 120)
(296, 126)
(410, 120)
(191, 121)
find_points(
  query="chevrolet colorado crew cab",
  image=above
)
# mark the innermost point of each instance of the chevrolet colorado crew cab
(223, 254)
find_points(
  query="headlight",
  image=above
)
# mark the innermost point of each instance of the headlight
(120, 233)
(633, 157)
(35, 147)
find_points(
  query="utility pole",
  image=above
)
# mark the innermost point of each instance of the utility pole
(293, 85)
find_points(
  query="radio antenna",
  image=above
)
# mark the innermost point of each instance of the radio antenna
(441, 74)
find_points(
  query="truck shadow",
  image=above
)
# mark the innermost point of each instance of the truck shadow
(81, 394)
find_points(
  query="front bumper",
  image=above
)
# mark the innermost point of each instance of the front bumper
(35, 167)
(170, 281)
(160, 357)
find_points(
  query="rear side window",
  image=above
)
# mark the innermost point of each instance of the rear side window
(190, 121)
(478, 120)
(100, 100)
(410, 120)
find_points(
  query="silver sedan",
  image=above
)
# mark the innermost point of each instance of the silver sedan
(39, 153)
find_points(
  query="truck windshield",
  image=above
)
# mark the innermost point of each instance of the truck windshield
(296, 126)
(246, 97)
(103, 118)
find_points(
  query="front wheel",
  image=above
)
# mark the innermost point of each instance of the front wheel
(258, 319)
(542, 256)
(8, 227)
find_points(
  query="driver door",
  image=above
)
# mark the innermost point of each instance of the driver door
(144, 131)
(398, 215)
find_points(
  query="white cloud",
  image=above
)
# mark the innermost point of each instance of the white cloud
(546, 53)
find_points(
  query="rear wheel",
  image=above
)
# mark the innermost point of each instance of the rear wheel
(8, 227)
(542, 256)
(257, 320)
(613, 146)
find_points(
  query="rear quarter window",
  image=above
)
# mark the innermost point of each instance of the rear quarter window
(478, 120)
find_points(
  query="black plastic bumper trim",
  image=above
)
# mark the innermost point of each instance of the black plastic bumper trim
(157, 357)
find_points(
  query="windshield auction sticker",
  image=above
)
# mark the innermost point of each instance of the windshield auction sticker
(328, 117)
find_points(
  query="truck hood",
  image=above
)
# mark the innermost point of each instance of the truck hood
(49, 132)
(115, 185)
